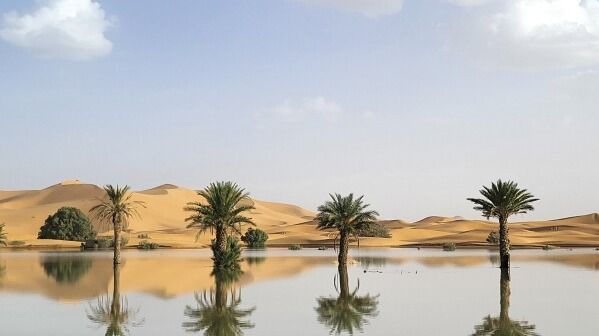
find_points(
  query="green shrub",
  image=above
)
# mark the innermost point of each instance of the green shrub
(16, 243)
(322, 248)
(255, 238)
(548, 247)
(230, 258)
(493, 238)
(146, 245)
(104, 243)
(67, 223)
(376, 229)
(449, 247)
(295, 247)
(143, 236)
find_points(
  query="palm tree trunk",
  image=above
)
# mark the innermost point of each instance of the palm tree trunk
(221, 239)
(504, 293)
(343, 247)
(504, 243)
(117, 241)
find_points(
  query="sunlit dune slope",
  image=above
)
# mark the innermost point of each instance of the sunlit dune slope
(163, 219)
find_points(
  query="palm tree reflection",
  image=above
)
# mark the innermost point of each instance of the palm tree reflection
(217, 311)
(503, 325)
(348, 312)
(114, 313)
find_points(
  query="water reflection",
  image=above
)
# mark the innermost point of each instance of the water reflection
(371, 261)
(66, 269)
(218, 311)
(114, 313)
(503, 325)
(348, 312)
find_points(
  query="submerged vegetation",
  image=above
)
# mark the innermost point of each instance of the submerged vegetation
(222, 213)
(67, 223)
(502, 200)
(348, 216)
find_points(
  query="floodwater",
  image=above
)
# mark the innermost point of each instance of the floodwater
(281, 292)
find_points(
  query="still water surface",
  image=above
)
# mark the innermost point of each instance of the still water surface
(281, 292)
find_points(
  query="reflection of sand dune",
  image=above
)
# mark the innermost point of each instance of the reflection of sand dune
(164, 220)
(161, 275)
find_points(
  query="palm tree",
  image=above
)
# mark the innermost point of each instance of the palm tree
(217, 312)
(2, 235)
(503, 325)
(117, 209)
(221, 213)
(114, 313)
(501, 201)
(348, 311)
(347, 215)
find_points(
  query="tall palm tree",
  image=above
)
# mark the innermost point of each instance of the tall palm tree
(503, 325)
(117, 208)
(217, 312)
(346, 215)
(348, 311)
(114, 313)
(221, 213)
(2, 235)
(501, 201)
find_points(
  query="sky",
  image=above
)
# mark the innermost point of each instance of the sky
(413, 103)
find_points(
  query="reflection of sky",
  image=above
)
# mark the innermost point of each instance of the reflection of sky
(438, 300)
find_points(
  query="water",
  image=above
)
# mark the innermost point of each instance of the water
(281, 292)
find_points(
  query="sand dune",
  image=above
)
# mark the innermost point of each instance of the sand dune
(163, 218)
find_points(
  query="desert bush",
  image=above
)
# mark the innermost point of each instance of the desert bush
(228, 259)
(146, 245)
(295, 247)
(322, 248)
(548, 247)
(449, 247)
(143, 236)
(104, 243)
(2, 235)
(255, 238)
(375, 229)
(493, 238)
(67, 223)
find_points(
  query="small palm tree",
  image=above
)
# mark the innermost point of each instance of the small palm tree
(503, 325)
(3, 235)
(346, 215)
(114, 313)
(217, 312)
(501, 201)
(348, 311)
(117, 209)
(222, 213)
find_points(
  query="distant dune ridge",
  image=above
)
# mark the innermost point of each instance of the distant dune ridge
(163, 220)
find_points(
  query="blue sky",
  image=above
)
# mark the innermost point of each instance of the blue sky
(413, 103)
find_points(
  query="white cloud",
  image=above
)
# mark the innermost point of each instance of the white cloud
(309, 108)
(536, 33)
(368, 8)
(67, 29)
(468, 3)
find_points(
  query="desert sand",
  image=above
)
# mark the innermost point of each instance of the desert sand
(163, 219)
